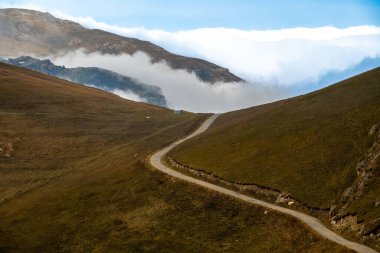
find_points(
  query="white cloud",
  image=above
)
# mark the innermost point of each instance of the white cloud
(128, 95)
(121, 93)
(270, 59)
(181, 89)
(285, 57)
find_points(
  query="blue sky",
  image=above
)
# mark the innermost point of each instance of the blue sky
(173, 15)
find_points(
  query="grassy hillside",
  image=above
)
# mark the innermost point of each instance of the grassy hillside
(51, 124)
(308, 146)
(73, 179)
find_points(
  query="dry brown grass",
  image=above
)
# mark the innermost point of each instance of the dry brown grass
(76, 181)
(307, 146)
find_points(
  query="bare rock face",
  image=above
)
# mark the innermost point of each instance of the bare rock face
(367, 171)
(6, 147)
(374, 129)
(27, 32)
(349, 222)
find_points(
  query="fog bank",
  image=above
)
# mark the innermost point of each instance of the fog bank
(183, 90)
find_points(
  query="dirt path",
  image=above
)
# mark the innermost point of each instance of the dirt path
(310, 221)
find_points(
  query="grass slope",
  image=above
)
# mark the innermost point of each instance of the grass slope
(308, 145)
(76, 181)
(52, 124)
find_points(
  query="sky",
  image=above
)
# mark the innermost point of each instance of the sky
(174, 15)
(288, 46)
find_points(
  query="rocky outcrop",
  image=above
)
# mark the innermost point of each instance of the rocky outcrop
(368, 174)
(7, 144)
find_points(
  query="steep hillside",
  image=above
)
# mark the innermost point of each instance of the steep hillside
(97, 77)
(27, 32)
(322, 149)
(73, 179)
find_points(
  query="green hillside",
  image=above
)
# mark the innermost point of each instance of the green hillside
(308, 146)
(73, 179)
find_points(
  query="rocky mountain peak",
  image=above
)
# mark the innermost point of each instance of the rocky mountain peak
(27, 32)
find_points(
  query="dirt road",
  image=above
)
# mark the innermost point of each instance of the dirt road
(310, 221)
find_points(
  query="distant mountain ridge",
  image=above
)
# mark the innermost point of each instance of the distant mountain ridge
(28, 32)
(97, 77)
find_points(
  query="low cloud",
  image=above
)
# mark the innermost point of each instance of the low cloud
(128, 95)
(182, 90)
(121, 93)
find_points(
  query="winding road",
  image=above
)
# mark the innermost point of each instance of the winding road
(313, 223)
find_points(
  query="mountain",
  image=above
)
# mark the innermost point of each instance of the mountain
(27, 32)
(73, 178)
(97, 77)
(320, 150)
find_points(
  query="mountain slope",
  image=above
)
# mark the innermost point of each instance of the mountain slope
(27, 32)
(100, 78)
(321, 148)
(73, 179)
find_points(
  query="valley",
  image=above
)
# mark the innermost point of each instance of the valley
(122, 128)
(76, 179)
